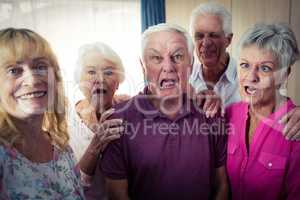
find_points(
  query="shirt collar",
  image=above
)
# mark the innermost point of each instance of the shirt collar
(230, 72)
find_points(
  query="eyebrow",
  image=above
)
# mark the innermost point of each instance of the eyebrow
(264, 62)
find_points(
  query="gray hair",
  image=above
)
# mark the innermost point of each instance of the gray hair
(107, 52)
(215, 9)
(170, 28)
(277, 38)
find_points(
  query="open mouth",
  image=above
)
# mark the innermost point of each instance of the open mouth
(100, 91)
(250, 90)
(30, 95)
(167, 83)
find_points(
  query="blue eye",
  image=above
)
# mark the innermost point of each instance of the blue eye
(156, 59)
(108, 72)
(244, 65)
(177, 58)
(265, 68)
(91, 72)
(14, 71)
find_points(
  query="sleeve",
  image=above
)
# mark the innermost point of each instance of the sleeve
(113, 162)
(293, 173)
(219, 134)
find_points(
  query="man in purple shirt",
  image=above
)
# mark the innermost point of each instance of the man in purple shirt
(169, 150)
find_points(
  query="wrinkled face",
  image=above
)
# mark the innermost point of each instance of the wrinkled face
(99, 78)
(166, 63)
(258, 73)
(210, 40)
(27, 86)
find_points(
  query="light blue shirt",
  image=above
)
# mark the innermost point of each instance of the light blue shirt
(227, 86)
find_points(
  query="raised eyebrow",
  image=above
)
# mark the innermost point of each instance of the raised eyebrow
(179, 50)
(153, 50)
(44, 59)
(266, 62)
(244, 60)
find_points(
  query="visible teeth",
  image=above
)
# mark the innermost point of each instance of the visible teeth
(250, 90)
(33, 95)
(167, 83)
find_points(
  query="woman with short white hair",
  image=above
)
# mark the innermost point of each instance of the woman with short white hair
(261, 163)
(99, 72)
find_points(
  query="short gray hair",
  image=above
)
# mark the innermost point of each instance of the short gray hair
(170, 28)
(107, 52)
(215, 9)
(277, 38)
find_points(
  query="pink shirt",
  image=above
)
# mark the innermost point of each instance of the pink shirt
(271, 169)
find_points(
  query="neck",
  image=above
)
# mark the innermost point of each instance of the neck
(266, 108)
(30, 127)
(212, 74)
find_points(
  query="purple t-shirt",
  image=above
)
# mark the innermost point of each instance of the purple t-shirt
(163, 158)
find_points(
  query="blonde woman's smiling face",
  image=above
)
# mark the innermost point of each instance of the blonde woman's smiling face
(27, 87)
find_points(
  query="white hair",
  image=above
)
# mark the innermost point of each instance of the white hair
(107, 52)
(277, 38)
(170, 28)
(215, 9)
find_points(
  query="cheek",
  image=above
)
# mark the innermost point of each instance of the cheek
(267, 83)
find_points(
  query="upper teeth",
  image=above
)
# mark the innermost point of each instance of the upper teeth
(32, 95)
(167, 83)
(251, 90)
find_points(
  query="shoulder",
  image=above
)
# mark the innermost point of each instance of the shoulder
(130, 108)
(235, 108)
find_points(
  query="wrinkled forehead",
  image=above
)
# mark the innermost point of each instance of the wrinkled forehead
(20, 49)
(208, 23)
(165, 42)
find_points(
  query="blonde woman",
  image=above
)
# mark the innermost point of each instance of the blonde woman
(35, 160)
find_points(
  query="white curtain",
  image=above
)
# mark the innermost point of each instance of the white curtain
(67, 24)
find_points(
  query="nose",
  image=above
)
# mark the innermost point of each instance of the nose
(252, 75)
(168, 65)
(206, 41)
(31, 77)
(99, 78)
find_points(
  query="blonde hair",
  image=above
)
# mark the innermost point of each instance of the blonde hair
(19, 44)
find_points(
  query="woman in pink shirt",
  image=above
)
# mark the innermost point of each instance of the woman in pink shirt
(261, 163)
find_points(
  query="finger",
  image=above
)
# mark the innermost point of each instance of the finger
(286, 117)
(289, 125)
(111, 123)
(115, 130)
(207, 103)
(293, 131)
(110, 138)
(106, 114)
(215, 109)
(210, 109)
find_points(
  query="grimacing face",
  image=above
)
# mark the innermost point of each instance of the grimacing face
(210, 40)
(99, 78)
(259, 75)
(166, 63)
(27, 86)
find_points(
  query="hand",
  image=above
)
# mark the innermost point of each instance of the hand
(291, 121)
(120, 98)
(107, 131)
(211, 102)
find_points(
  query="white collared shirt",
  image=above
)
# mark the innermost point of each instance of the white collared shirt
(227, 86)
